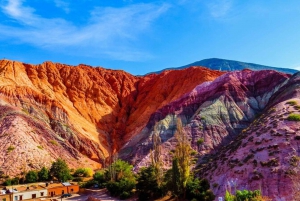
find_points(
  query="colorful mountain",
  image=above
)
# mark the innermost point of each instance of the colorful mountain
(239, 123)
(81, 114)
(230, 65)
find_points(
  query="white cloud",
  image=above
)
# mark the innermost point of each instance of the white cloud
(62, 4)
(219, 8)
(110, 32)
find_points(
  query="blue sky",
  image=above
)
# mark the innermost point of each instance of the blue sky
(145, 36)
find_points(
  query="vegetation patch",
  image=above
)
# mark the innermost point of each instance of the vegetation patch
(200, 141)
(40, 147)
(294, 160)
(10, 148)
(53, 142)
(292, 103)
(294, 117)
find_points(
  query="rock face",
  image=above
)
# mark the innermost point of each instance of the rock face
(237, 144)
(214, 111)
(81, 114)
(266, 154)
(238, 123)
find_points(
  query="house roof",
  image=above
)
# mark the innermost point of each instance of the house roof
(66, 184)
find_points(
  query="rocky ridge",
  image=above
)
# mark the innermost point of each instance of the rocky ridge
(85, 114)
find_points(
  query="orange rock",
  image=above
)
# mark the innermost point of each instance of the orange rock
(104, 106)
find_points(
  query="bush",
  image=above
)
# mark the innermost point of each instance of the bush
(292, 102)
(78, 179)
(31, 177)
(244, 195)
(10, 148)
(7, 182)
(147, 184)
(15, 181)
(294, 117)
(60, 170)
(53, 142)
(200, 141)
(100, 178)
(199, 190)
(88, 184)
(83, 172)
(43, 174)
(125, 195)
(118, 188)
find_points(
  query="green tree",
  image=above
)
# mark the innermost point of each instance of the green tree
(122, 170)
(199, 190)
(147, 184)
(245, 195)
(229, 196)
(176, 184)
(183, 156)
(100, 178)
(156, 155)
(60, 170)
(123, 181)
(43, 174)
(31, 176)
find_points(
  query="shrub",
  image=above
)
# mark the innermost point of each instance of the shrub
(147, 184)
(124, 186)
(200, 141)
(78, 179)
(199, 190)
(294, 117)
(88, 184)
(53, 142)
(83, 172)
(10, 148)
(43, 174)
(292, 102)
(15, 181)
(60, 170)
(31, 176)
(7, 182)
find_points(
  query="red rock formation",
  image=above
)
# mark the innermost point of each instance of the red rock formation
(90, 112)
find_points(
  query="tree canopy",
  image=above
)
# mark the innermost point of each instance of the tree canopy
(60, 170)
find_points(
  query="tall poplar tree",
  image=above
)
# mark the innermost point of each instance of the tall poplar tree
(183, 155)
(156, 155)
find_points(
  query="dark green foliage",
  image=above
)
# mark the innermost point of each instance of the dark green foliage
(31, 176)
(147, 184)
(244, 195)
(100, 178)
(122, 187)
(123, 181)
(60, 170)
(200, 141)
(43, 174)
(7, 182)
(176, 187)
(83, 172)
(121, 170)
(88, 184)
(77, 179)
(199, 190)
(292, 103)
(294, 117)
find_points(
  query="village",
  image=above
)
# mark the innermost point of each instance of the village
(38, 191)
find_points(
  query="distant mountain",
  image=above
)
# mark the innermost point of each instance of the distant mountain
(230, 65)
